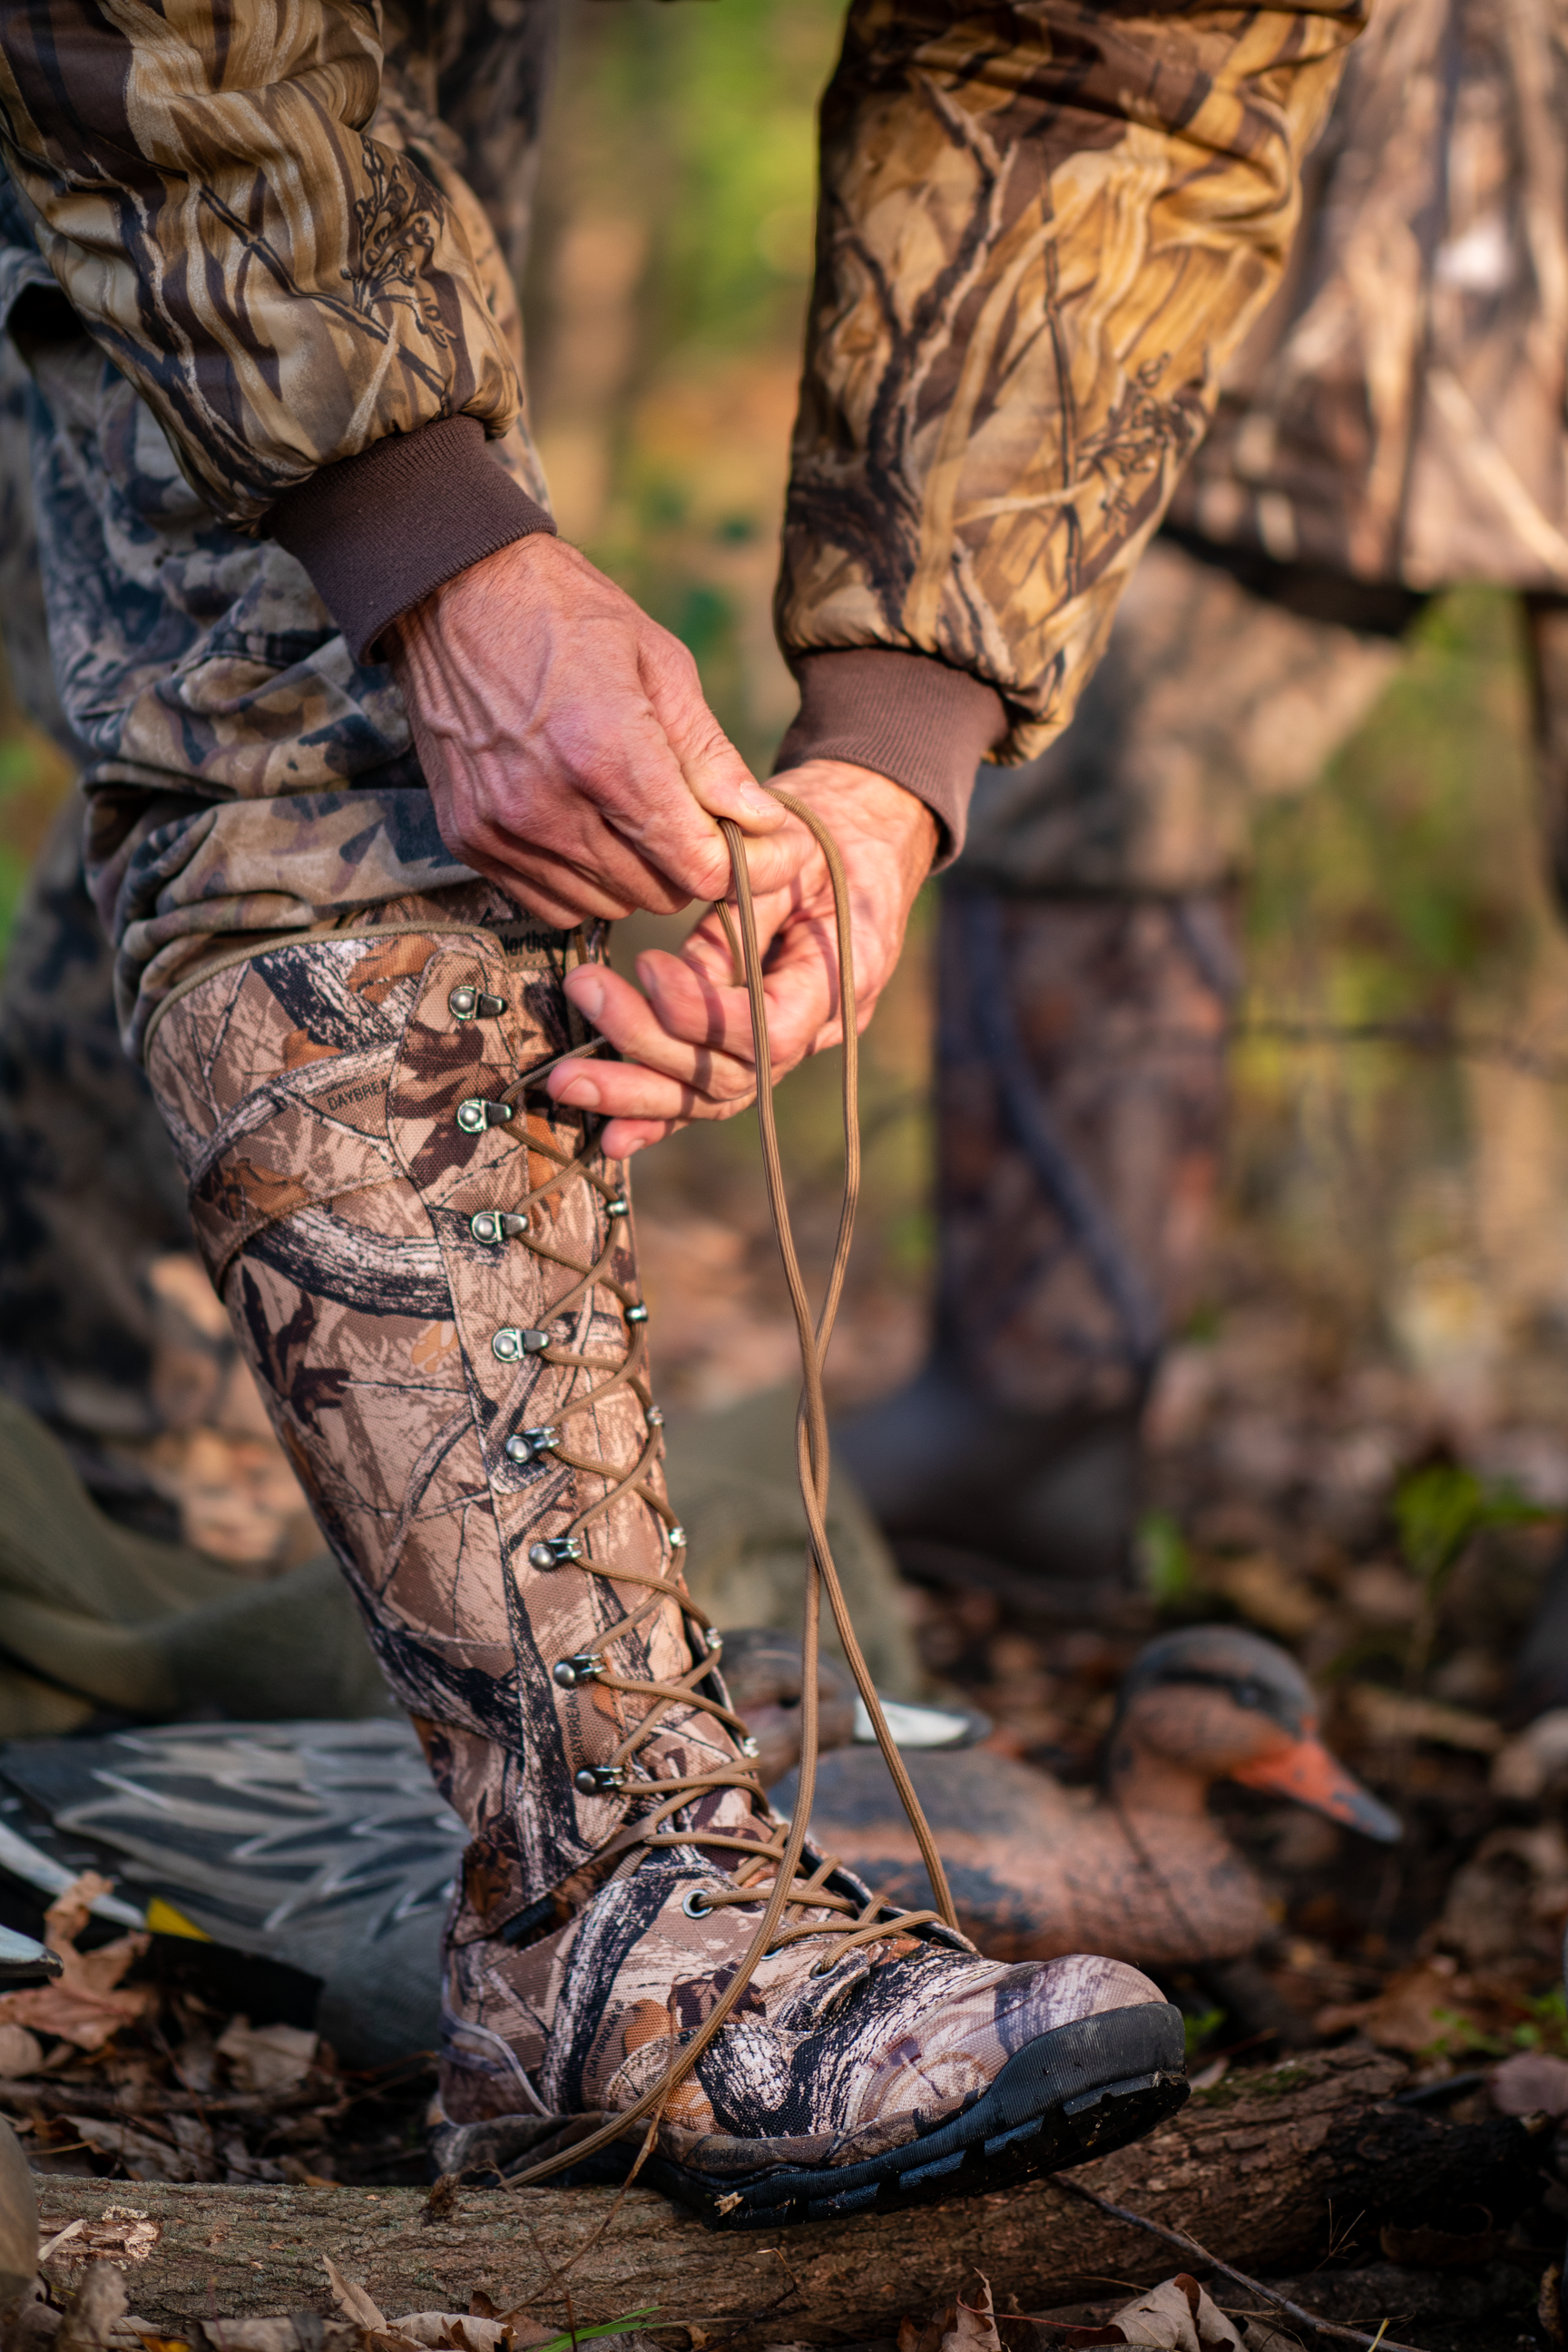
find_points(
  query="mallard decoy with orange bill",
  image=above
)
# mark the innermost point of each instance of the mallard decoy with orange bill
(1140, 1868)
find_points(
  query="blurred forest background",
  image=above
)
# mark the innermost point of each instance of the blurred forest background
(1395, 1247)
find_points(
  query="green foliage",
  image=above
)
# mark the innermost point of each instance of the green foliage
(1201, 2026)
(1546, 2027)
(625, 2326)
(1164, 1562)
(1438, 1509)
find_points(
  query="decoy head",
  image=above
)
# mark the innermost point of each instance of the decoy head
(1214, 1703)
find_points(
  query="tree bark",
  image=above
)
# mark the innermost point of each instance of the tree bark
(1243, 2166)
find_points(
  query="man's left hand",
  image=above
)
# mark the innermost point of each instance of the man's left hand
(686, 1041)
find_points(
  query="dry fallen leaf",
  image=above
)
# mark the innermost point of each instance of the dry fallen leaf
(143, 2157)
(271, 2059)
(972, 2327)
(86, 2004)
(352, 2300)
(1411, 2013)
(1176, 2316)
(91, 2315)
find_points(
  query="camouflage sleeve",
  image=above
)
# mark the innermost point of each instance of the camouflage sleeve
(1042, 230)
(284, 290)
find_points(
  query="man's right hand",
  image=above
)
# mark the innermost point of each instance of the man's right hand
(567, 745)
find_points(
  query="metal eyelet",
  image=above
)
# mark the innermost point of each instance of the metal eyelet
(714, 1640)
(678, 1539)
(599, 1779)
(530, 1443)
(654, 1418)
(493, 1226)
(697, 1905)
(749, 1747)
(637, 1315)
(509, 1345)
(554, 1551)
(618, 1207)
(467, 1003)
(474, 1115)
(569, 1671)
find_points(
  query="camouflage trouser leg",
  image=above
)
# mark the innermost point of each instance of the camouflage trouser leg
(1080, 1102)
(1087, 967)
(91, 1197)
(440, 1303)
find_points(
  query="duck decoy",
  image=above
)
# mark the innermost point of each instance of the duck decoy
(25, 1961)
(323, 1847)
(1139, 1869)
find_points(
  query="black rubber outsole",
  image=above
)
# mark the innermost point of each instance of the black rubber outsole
(1079, 2092)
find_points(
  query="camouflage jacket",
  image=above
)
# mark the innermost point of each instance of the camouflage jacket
(1400, 411)
(1042, 227)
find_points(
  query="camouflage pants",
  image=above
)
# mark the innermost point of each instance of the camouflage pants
(1087, 961)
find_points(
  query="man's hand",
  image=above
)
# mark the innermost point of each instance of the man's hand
(568, 748)
(687, 1042)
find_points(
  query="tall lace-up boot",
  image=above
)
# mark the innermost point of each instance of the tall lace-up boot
(431, 1267)
(1081, 1113)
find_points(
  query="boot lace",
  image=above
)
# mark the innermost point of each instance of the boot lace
(770, 1866)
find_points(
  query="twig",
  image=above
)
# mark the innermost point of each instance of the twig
(1380, 2342)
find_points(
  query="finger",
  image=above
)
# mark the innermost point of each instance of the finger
(629, 1090)
(625, 1136)
(718, 778)
(798, 992)
(701, 1006)
(627, 1019)
(699, 994)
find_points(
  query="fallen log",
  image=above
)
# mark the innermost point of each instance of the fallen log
(1248, 2166)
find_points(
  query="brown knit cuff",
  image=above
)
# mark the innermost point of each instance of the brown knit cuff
(904, 715)
(377, 532)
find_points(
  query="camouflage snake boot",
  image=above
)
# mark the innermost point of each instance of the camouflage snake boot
(431, 1267)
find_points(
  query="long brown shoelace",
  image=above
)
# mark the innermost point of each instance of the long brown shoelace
(761, 1870)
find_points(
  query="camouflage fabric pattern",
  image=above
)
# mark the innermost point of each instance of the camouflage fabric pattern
(23, 623)
(1212, 700)
(1399, 413)
(285, 261)
(244, 775)
(311, 1096)
(90, 1196)
(1040, 232)
(1081, 1101)
(311, 1092)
